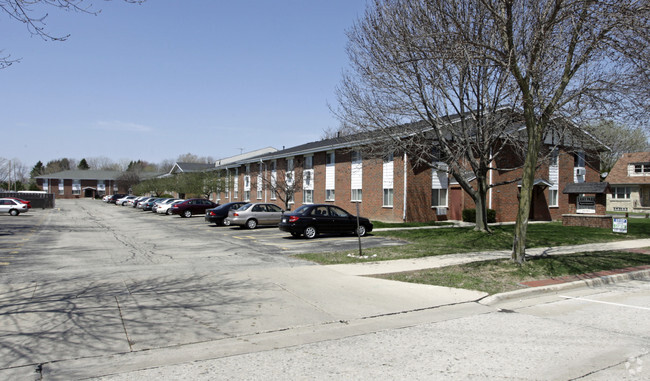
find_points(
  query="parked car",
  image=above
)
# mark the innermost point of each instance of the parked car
(218, 215)
(157, 204)
(311, 220)
(253, 215)
(13, 207)
(144, 201)
(115, 197)
(148, 206)
(192, 206)
(137, 200)
(29, 205)
(122, 201)
(165, 207)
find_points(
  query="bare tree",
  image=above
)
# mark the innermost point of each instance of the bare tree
(408, 67)
(102, 163)
(34, 17)
(578, 59)
(620, 138)
(282, 182)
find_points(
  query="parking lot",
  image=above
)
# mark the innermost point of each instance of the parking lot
(89, 279)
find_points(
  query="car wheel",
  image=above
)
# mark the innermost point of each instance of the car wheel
(251, 224)
(187, 213)
(14, 212)
(310, 232)
(225, 222)
(168, 212)
(361, 231)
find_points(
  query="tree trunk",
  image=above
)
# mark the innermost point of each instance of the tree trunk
(526, 195)
(481, 206)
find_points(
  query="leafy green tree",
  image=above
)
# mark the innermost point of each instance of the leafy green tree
(37, 170)
(83, 165)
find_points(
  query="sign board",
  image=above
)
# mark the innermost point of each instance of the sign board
(620, 225)
(586, 204)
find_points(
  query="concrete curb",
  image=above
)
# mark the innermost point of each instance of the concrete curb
(542, 290)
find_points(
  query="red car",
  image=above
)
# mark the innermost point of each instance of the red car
(29, 205)
(192, 206)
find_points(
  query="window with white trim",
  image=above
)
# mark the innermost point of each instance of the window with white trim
(330, 176)
(388, 166)
(552, 197)
(621, 193)
(356, 176)
(439, 185)
(76, 187)
(388, 197)
(642, 168)
(308, 196)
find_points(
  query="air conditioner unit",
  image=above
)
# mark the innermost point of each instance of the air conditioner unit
(581, 171)
(441, 211)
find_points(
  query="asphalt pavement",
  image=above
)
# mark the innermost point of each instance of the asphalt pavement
(93, 291)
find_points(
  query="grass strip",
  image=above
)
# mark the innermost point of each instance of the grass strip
(431, 242)
(496, 276)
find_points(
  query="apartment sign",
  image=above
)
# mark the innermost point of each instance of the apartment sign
(586, 204)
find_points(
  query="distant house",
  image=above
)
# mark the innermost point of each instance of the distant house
(629, 181)
(189, 167)
(80, 183)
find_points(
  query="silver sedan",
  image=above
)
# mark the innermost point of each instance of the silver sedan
(253, 214)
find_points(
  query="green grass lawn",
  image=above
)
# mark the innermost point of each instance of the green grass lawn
(429, 242)
(502, 275)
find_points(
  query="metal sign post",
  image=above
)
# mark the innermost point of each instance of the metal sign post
(358, 235)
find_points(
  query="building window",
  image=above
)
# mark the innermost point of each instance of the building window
(329, 160)
(642, 168)
(555, 157)
(621, 193)
(552, 197)
(388, 180)
(439, 185)
(330, 176)
(356, 176)
(388, 197)
(439, 197)
(290, 164)
(247, 195)
(309, 162)
(76, 187)
(308, 196)
(62, 187)
(357, 195)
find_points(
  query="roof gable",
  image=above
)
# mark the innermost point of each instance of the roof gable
(620, 173)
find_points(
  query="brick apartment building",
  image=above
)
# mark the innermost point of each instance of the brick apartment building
(394, 189)
(80, 183)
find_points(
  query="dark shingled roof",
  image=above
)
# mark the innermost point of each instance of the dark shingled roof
(592, 188)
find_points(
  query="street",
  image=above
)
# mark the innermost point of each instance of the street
(90, 290)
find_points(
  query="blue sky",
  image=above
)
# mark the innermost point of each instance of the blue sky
(166, 78)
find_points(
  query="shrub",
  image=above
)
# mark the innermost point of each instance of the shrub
(469, 215)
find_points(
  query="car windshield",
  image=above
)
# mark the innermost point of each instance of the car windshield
(245, 206)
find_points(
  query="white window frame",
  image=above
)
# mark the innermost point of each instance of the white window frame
(356, 195)
(387, 199)
(627, 191)
(553, 196)
(308, 196)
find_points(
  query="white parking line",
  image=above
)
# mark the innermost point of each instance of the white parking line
(613, 304)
